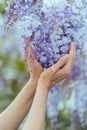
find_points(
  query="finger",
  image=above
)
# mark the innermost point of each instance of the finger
(63, 73)
(60, 63)
(72, 54)
(60, 75)
(71, 60)
(31, 58)
(29, 50)
(29, 55)
(73, 49)
(28, 41)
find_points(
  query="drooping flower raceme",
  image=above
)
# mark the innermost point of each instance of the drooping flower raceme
(52, 26)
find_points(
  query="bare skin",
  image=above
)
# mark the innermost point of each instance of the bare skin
(11, 118)
(40, 82)
(47, 79)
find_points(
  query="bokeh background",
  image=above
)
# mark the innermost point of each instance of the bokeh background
(13, 75)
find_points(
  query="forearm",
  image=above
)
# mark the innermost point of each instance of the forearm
(11, 118)
(36, 117)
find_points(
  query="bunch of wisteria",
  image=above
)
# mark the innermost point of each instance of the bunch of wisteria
(52, 26)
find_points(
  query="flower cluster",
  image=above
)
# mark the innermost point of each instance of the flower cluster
(52, 26)
(57, 26)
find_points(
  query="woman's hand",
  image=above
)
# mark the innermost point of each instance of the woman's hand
(60, 70)
(34, 66)
(48, 78)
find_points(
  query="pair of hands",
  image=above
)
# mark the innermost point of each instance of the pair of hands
(55, 73)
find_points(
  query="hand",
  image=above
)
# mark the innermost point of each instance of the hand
(34, 66)
(60, 70)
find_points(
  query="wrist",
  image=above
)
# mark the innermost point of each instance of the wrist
(33, 81)
(41, 83)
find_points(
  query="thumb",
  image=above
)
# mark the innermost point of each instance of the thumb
(60, 63)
